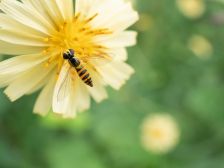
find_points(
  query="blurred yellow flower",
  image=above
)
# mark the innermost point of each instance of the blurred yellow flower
(160, 133)
(191, 8)
(200, 46)
(145, 22)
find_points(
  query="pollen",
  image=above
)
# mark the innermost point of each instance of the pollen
(77, 34)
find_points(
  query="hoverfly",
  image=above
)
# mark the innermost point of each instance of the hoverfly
(79, 67)
(78, 64)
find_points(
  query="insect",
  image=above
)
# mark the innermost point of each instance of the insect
(80, 69)
(78, 65)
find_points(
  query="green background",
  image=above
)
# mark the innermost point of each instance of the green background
(169, 78)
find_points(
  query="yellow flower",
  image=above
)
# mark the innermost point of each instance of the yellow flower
(191, 8)
(200, 46)
(39, 32)
(160, 133)
(145, 22)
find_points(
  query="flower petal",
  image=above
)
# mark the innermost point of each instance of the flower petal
(60, 101)
(20, 64)
(84, 6)
(66, 8)
(41, 8)
(118, 54)
(21, 38)
(14, 49)
(11, 32)
(98, 92)
(116, 15)
(72, 107)
(57, 11)
(13, 68)
(9, 23)
(122, 39)
(23, 14)
(43, 82)
(82, 95)
(44, 100)
(75, 97)
(53, 11)
(116, 73)
(26, 82)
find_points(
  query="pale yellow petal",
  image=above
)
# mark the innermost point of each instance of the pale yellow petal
(72, 107)
(84, 6)
(41, 8)
(23, 14)
(61, 101)
(53, 11)
(75, 97)
(116, 15)
(118, 18)
(22, 38)
(79, 99)
(5, 80)
(81, 95)
(66, 9)
(44, 100)
(118, 54)
(20, 64)
(43, 82)
(13, 68)
(98, 91)
(8, 23)
(26, 82)
(14, 49)
(122, 39)
(116, 73)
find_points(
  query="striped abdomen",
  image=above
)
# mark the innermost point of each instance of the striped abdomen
(84, 75)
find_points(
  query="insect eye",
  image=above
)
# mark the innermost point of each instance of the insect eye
(72, 51)
(65, 56)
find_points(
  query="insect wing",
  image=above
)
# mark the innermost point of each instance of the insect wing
(64, 86)
(97, 60)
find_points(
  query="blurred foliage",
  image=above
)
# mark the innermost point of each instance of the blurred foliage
(169, 78)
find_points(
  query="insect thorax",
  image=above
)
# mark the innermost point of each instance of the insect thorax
(74, 61)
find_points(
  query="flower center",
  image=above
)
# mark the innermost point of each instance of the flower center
(78, 35)
(157, 133)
